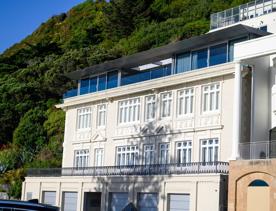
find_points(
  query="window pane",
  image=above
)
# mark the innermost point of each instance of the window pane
(218, 54)
(93, 84)
(84, 86)
(112, 79)
(183, 62)
(199, 59)
(231, 47)
(102, 82)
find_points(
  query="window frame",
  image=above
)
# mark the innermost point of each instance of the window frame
(170, 100)
(137, 116)
(160, 159)
(85, 155)
(216, 152)
(188, 147)
(99, 109)
(217, 100)
(153, 150)
(81, 114)
(96, 161)
(151, 101)
(190, 95)
(126, 163)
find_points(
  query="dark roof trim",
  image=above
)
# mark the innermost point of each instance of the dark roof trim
(164, 52)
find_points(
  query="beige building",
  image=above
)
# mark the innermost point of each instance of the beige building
(158, 128)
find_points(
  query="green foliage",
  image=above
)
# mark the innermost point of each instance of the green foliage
(32, 72)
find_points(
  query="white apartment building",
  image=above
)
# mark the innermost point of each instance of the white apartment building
(158, 128)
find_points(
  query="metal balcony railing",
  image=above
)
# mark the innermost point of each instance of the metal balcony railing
(156, 169)
(257, 150)
(243, 12)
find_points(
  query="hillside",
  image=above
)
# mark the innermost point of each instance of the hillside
(32, 72)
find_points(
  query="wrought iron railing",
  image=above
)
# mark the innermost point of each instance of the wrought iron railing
(156, 169)
(257, 150)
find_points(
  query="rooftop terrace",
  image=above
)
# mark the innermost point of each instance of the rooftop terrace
(243, 12)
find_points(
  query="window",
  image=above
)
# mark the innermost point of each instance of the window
(183, 63)
(112, 79)
(211, 95)
(199, 59)
(101, 116)
(147, 202)
(263, 28)
(129, 110)
(150, 107)
(102, 82)
(149, 154)
(99, 157)
(164, 153)
(81, 158)
(184, 152)
(84, 118)
(218, 54)
(49, 197)
(127, 155)
(185, 101)
(209, 150)
(166, 104)
(231, 47)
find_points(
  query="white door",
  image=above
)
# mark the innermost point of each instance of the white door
(49, 197)
(179, 202)
(70, 201)
(118, 201)
(148, 202)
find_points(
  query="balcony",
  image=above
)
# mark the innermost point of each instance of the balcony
(156, 169)
(243, 12)
(257, 150)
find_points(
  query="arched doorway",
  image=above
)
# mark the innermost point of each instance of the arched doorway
(258, 195)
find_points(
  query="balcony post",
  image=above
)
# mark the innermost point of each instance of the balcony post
(236, 112)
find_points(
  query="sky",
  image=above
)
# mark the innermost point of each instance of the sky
(19, 18)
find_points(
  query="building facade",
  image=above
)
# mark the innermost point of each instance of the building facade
(158, 128)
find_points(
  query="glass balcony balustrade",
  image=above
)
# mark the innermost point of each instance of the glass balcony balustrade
(243, 12)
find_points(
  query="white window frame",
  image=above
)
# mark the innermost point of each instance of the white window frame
(81, 158)
(84, 116)
(211, 94)
(166, 104)
(101, 115)
(184, 150)
(99, 157)
(209, 150)
(150, 108)
(185, 102)
(149, 154)
(129, 111)
(127, 155)
(164, 147)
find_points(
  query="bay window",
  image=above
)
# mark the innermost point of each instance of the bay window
(101, 115)
(184, 152)
(166, 104)
(81, 159)
(209, 150)
(83, 118)
(185, 101)
(150, 107)
(129, 110)
(127, 155)
(211, 97)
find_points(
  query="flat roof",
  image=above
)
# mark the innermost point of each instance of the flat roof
(167, 51)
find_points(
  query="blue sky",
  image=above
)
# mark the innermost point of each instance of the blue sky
(19, 18)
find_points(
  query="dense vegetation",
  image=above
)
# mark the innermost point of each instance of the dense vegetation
(32, 72)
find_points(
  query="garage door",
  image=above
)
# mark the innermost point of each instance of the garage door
(118, 201)
(148, 202)
(49, 197)
(70, 201)
(179, 202)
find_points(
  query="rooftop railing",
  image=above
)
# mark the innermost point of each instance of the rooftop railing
(243, 12)
(156, 169)
(257, 150)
